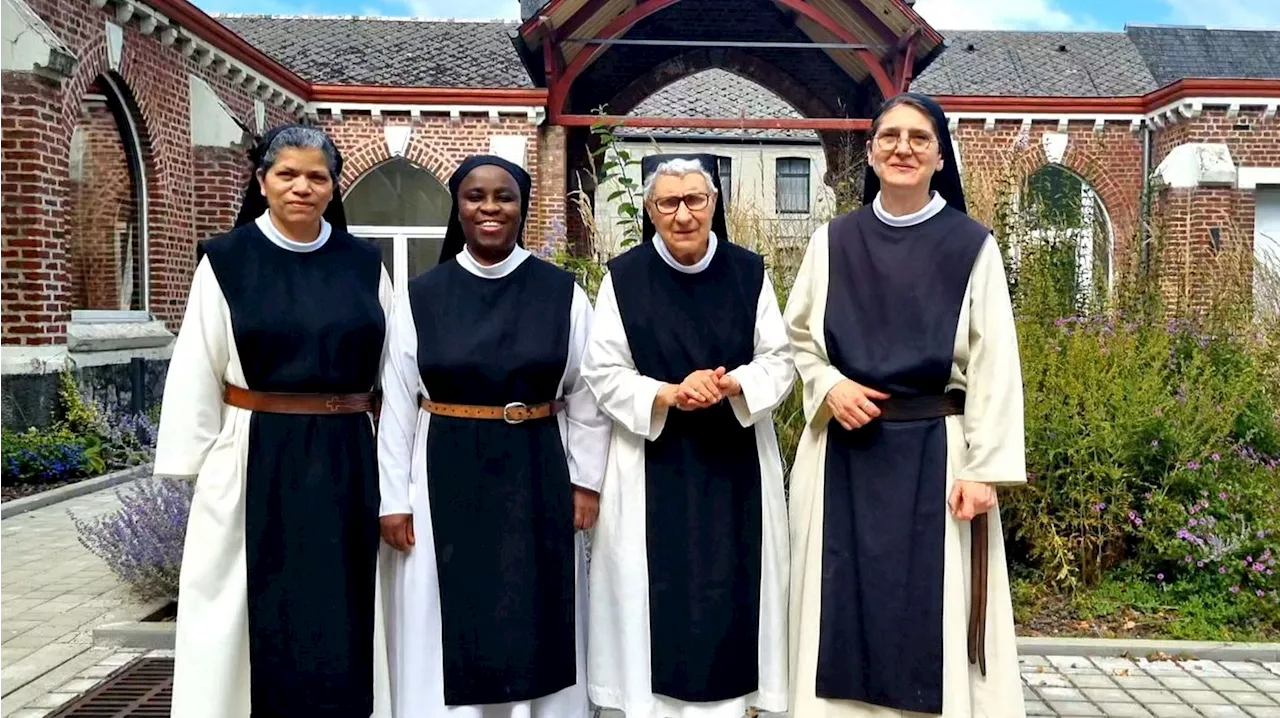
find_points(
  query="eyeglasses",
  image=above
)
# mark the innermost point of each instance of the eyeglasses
(695, 201)
(888, 142)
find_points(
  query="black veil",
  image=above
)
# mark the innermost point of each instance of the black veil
(454, 239)
(946, 181)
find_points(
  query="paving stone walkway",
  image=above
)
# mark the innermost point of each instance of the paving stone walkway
(53, 593)
(1124, 688)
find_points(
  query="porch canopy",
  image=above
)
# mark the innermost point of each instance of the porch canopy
(833, 60)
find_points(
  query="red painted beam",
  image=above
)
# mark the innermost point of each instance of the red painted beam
(887, 86)
(588, 54)
(719, 123)
(934, 36)
(906, 66)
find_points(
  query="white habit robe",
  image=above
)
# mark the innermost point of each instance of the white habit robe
(204, 439)
(619, 649)
(414, 612)
(986, 366)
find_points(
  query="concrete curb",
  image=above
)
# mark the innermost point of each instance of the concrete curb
(160, 636)
(1143, 648)
(149, 635)
(20, 506)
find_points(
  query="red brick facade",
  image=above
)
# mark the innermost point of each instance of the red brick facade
(39, 118)
(60, 248)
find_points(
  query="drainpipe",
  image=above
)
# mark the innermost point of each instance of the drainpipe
(1144, 231)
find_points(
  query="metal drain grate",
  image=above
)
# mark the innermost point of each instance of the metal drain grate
(142, 688)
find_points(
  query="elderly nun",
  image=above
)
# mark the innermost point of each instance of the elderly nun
(268, 406)
(905, 342)
(491, 455)
(689, 357)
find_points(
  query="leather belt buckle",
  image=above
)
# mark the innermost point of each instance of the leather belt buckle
(506, 415)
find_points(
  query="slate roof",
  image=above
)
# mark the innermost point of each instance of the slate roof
(384, 51)
(717, 93)
(1072, 64)
(1173, 53)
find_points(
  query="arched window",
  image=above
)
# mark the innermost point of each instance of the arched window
(404, 209)
(106, 219)
(1063, 216)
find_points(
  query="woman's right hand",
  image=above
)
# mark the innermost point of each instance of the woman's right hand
(397, 530)
(851, 404)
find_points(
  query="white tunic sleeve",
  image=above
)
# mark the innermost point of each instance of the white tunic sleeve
(805, 315)
(587, 428)
(767, 380)
(623, 394)
(192, 408)
(993, 415)
(398, 422)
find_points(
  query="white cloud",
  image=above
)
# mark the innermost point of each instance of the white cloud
(1000, 15)
(1226, 13)
(469, 10)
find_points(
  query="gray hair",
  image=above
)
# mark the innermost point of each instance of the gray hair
(678, 167)
(302, 137)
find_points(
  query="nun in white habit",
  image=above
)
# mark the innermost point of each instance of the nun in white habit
(491, 451)
(905, 342)
(689, 357)
(268, 406)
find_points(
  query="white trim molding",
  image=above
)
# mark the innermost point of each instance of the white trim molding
(1251, 177)
(150, 21)
(1189, 107)
(1163, 116)
(535, 114)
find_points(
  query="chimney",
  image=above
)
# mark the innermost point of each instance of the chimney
(529, 8)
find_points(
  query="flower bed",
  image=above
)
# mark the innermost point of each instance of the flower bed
(89, 440)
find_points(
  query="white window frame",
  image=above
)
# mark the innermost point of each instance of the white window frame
(400, 238)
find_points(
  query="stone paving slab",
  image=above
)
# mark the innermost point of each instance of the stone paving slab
(54, 594)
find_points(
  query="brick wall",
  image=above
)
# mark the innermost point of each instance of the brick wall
(101, 216)
(1194, 271)
(999, 160)
(438, 145)
(39, 118)
(221, 174)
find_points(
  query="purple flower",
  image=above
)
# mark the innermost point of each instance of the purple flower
(1199, 564)
(1189, 559)
(1221, 494)
(1193, 465)
(1261, 593)
(1235, 589)
(1159, 576)
(1216, 457)
(1259, 567)
(1191, 522)
(142, 541)
(1222, 569)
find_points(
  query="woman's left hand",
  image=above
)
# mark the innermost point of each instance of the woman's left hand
(971, 498)
(586, 507)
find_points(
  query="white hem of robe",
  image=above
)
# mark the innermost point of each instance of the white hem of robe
(414, 633)
(201, 437)
(985, 444)
(619, 649)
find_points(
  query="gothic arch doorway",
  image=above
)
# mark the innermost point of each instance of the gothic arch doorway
(403, 209)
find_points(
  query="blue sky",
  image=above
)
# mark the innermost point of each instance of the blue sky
(946, 14)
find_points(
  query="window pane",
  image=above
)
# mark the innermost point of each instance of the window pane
(103, 226)
(792, 185)
(398, 194)
(724, 166)
(423, 255)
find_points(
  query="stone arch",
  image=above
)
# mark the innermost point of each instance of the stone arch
(88, 285)
(367, 155)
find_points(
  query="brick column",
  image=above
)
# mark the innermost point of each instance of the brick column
(554, 208)
(220, 173)
(35, 291)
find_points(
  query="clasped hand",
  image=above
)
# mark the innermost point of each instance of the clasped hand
(699, 390)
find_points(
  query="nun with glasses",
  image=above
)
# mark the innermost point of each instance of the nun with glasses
(268, 406)
(689, 358)
(905, 341)
(491, 452)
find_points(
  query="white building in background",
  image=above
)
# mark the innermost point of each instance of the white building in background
(772, 178)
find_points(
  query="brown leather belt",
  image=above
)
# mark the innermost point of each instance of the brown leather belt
(514, 413)
(278, 403)
(916, 408)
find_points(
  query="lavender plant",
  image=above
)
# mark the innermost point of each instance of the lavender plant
(142, 541)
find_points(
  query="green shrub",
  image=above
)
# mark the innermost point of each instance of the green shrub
(35, 457)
